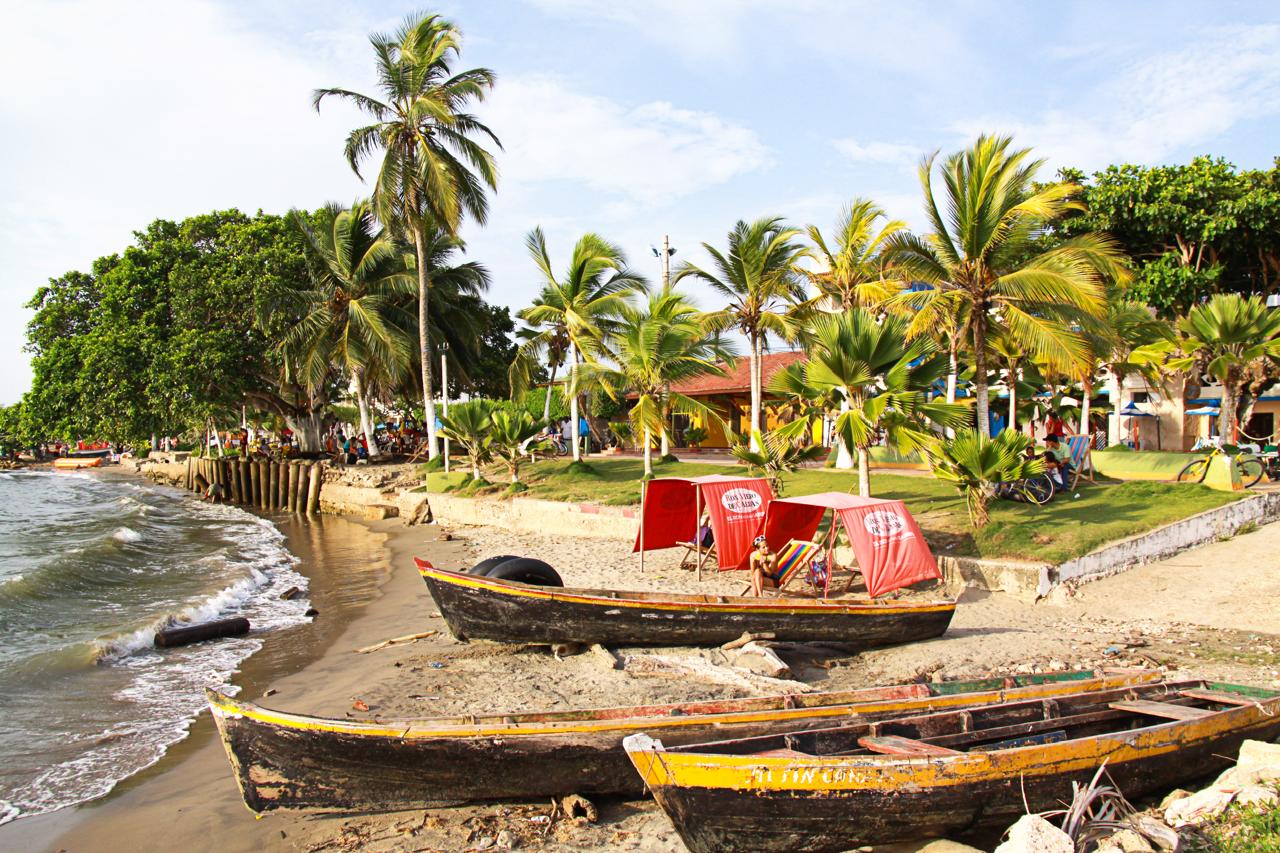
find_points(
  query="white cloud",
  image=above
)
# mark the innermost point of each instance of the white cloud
(648, 153)
(1157, 106)
(888, 153)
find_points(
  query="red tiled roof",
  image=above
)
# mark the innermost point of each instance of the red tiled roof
(737, 379)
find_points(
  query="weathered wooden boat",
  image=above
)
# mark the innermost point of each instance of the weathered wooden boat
(284, 760)
(483, 608)
(908, 779)
(90, 453)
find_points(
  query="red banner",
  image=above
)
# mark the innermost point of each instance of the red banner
(737, 513)
(890, 548)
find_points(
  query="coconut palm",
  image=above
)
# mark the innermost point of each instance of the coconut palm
(512, 435)
(350, 310)
(1233, 340)
(656, 345)
(980, 267)
(977, 465)
(579, 308)
(853, 271)
(470, 424)
(758, 275)
(432, 171)
(879, 380)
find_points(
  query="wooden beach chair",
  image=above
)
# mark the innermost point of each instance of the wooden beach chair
(1080, 455)
(692, 549)
(796, 555)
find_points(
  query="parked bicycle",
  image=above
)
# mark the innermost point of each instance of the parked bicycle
(1038, 490)
(1251, 468)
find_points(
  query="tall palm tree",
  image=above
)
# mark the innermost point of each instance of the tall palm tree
(977, 260)
(1232, 339)
(432, 172)
(853, 270)
(457, 317)
(351, 309)
(1111, 339)
(759, 278)
(880, 381)
(580, 307)
(656, 345)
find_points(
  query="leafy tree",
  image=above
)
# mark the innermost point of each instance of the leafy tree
(351, 317)
(432, 170)
(655, 346)
(1232, 340)
(974, 261)
(487, 374)
(511, 435)
(470, 424)
(853, 271)
(878, 379)
(977, 464)
(775, 455)
(579, 308)
(758, 276)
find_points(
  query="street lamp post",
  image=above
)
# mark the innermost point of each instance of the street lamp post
(665, 255)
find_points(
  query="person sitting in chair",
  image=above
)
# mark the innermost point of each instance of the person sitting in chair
(1058, 463)
(763, 565)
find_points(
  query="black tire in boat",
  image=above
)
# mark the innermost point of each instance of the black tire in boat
(489, 563)
(526, 570)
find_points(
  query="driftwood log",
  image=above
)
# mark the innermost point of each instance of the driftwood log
(167, 638)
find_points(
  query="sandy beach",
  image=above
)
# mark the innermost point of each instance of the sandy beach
(366, 589)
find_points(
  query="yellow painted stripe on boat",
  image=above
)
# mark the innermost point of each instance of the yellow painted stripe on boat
(476, 582)
(415, 730)
(879, 772)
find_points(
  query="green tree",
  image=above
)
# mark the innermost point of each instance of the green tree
(758, 275)
(432, 172)
(977, 464)
(852, 271)
(975, 261)
(878, 379)
(512, 434)
(578, 309)
(1232, 340)
(655, 346)
(470, 424)
(774, 455)
(351, 311)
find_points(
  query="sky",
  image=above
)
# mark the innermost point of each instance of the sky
(631, 118)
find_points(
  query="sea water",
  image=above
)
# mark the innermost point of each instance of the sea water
(91, 565)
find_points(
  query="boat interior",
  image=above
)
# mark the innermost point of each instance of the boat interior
(1005, 726)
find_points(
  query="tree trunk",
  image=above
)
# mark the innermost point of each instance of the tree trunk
(1113, 419)
(648, 453)
(475, 468)
(307, 430)
(573, 405)
(424, 341)
(366, 422)
(546, 404)
(1086, 391)
(864, 472)
(754, 367)
(1227, 420)
(980, 370)
(953, 374)
(1013, 399)
(844, 455)
(665, 449)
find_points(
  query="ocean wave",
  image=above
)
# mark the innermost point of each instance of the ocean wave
(127, 535)
(8, 811)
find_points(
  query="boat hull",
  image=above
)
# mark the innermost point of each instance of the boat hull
(486, 609)
(68, 463)
(748, 802)
(285, 760)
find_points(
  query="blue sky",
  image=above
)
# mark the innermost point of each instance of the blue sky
(633, 119)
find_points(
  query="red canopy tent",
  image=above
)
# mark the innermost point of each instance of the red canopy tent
(672, 507)
(886, 540)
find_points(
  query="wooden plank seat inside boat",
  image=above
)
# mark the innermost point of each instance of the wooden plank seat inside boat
(1219, 696)
(895, 745)
(1166, 710)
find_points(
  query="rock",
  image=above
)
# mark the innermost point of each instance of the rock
(483, 844)
(1172, 797)
(1130, 842)
(943, 845)
(1157, 832)
(505, 841)
(1200, 805)
(938, 677)
(1034, 834)
(576, 804)
(1257, 795)
(1057, 665)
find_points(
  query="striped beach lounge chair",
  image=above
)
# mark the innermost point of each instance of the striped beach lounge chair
(794, 557)
(1079, 455)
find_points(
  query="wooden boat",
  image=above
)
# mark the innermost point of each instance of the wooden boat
(286, 760)
(482, 608)
(90, 453)
(74, 463)
(908, 779)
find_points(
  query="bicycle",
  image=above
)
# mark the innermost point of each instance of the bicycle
(1251, 467)
(1037, 490)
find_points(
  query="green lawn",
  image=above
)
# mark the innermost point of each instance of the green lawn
(1066, 528)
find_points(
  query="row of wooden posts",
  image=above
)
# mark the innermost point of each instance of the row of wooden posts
(292, 486)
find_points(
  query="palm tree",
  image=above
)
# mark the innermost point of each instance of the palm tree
(854, 272)
(1231, 339)
(457, 317)
(470, 424)
(774, 455)
(977, 464)
(351, 309)
(879, 380)
(432, 170)
(655, 346)
(758, 276)
(977, 260)
(1112, 338)
(511, 435)
(579, 308)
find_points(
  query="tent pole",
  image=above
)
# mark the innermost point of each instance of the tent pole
(697, 528)
(643, 485)
(831, 552)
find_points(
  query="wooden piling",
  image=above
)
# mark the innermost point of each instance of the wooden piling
(264, 483)
(313, 488)
(282, 487)
(273, 483)
(252, 497)
(246, 488)
(291, 488)
(237, 491)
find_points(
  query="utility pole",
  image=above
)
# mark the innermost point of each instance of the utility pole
(665, 255)
(444, 392)
(666, 261)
